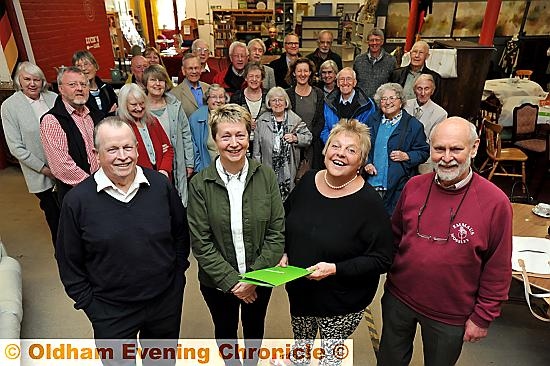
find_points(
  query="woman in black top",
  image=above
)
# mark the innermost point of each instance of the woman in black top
(336, 227)
(102, 96)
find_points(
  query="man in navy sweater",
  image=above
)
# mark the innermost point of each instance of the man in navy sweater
(122, 247)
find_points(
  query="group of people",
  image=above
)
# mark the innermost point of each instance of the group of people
(320, 176)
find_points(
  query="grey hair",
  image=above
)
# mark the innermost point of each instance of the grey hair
(427, 77)
(196, 42)
(398, 89)
(113, 121)
(210, 89)
(235, 45)
(376, 32)
(331, 64)
(347, 69)
(423, 44)
(324, 31)
(135, 91)
(31, 69)
(256, 40)
(276, 91)
(189, 56)
(63, 70)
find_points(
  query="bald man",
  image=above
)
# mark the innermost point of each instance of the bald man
(137, 65)
(452, 269)
(407, 75)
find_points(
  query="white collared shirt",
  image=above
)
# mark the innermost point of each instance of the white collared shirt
(105, 184)
(457, 185)
(234, 183)
(349, 100)
(39, 106)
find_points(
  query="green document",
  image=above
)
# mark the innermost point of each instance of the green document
(274, 276)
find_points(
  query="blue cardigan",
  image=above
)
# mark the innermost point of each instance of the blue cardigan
(198, 121)
(414, 144)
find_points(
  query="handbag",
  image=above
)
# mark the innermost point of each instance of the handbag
(303, 167)
(525, 197)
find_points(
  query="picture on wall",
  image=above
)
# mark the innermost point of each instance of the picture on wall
(509, 18)
(398, 16)
(469, 18)
(440, 22)
(537, 23)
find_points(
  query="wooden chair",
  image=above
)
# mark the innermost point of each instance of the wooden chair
(497, 155)
(524, 74)
(525, 128)
(489, 109)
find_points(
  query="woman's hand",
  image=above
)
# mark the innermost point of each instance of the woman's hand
(189, 172)
(370, 169)
(165, 148)
(397, 155)
(290, 138)
(253, 126)
(47, 172)
(321, 270)
(245, 292)
(164, 172)
(113, 108)
(284, 261)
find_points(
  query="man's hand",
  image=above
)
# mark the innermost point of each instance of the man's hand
(397, 155)
(47, 172)
(245, 292)
(284, 261)
(473, 333)
(321, 270)
(189, 172)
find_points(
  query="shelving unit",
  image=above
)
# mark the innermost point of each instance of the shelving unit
(284, 17)
(238, 24)
(312, 25)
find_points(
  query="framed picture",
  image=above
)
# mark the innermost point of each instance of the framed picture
(396, 22)
(537, 23)
(469, 18)
(440, 22)
(302, 9)
(509, 18)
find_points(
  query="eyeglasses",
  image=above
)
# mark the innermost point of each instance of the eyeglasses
(346, 80)
(391, 99)
(375, 40)
(74, 84)
(451, 219)
(216, 97)
(277, 100)
(83, 64)
(292, 43)
(350, 150)
(201, 50)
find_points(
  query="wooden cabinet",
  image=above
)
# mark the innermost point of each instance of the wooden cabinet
(238, 24)
(461, 96)
(117, 38)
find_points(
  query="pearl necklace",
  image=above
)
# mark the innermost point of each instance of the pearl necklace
(341, 186)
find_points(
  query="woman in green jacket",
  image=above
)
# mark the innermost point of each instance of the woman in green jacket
(236, 220)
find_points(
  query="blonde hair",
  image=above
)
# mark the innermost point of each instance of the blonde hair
(231, 113)
(352, 127)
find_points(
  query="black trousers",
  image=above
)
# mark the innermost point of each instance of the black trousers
(157, 321)
(50, 205)
(224, 309)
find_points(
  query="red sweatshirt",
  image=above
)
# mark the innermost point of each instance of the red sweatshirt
(465, 277)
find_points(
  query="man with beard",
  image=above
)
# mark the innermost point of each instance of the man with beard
(67, 131)
(452, 270)
(324, 52)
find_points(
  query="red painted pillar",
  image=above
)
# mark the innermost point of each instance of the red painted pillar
(411, 26)
(489, 22)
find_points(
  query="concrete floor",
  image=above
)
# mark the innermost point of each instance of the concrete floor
(514, 339)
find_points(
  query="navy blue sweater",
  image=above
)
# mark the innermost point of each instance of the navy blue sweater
(121, 252)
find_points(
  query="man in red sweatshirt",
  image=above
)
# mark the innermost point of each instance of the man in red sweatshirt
(452, 269)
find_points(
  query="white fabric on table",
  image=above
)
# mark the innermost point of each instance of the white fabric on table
(441, 60)
(512, 87)
(506, 118)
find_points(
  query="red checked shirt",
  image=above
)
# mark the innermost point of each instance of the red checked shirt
(56, 148)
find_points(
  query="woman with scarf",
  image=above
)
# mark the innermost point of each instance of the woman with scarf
(280, 133)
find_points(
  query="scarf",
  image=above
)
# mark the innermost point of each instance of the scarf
(281, 156)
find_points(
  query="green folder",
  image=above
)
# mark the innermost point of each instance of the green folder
(274, 276)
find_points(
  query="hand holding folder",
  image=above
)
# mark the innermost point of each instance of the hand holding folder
(274, 276)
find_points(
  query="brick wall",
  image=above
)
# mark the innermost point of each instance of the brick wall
(58, 28)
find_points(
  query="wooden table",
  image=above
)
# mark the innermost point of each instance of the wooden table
(526, 223)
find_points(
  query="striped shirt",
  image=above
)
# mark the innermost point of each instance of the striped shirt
(56, 147)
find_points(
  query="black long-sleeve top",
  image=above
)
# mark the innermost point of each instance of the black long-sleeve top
(354, 232)
(121, 252)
